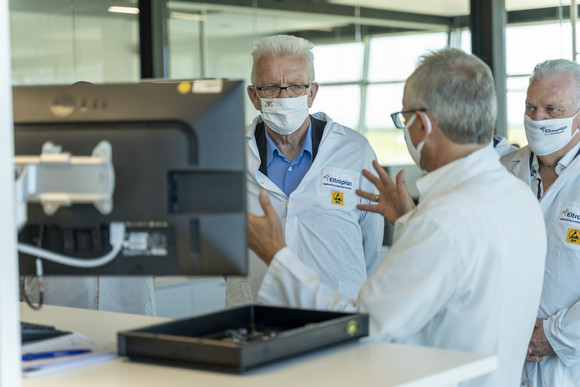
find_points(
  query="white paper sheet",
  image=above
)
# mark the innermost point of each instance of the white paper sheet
(98, 352)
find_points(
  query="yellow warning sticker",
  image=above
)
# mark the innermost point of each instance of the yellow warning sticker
(184, 87)
(337, 198)
(573, 236)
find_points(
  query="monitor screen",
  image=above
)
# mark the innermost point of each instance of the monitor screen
(176, 177)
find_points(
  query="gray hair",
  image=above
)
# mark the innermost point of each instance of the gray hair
(284, 46)
(555, 67)
(459, 91)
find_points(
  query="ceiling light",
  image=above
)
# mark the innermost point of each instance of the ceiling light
(131, 10)
(187, 16)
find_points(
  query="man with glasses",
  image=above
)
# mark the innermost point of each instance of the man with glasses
(550, 165)
(465, 268)
(311, 166)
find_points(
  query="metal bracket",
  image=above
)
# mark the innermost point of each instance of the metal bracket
(57, 179)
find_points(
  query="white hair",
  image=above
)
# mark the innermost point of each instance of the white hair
(459, 91)
(555, 67)
(284, 46)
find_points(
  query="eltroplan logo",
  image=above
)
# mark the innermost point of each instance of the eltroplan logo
(328, 177)
(553, 131)
(567, 213)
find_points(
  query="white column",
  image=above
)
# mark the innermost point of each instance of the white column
(9, 308)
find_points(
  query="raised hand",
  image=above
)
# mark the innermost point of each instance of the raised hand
(393, 200)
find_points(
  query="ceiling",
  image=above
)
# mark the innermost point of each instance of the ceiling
(228, 15)
(445, 7)
(430, 7)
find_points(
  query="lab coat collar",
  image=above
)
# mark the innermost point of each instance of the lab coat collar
(447, 177)
(320, 132)
(520, 162)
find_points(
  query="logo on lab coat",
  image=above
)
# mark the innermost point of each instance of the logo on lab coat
(573, 236)
(342, 182)
(570, 215)
(337, 198)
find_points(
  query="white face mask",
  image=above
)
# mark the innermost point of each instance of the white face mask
(415, 152)
(548, 136)
(284, 115)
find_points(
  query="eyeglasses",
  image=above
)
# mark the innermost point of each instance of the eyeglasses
(291, 90)
(399, 118)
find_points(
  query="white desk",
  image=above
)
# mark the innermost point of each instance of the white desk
(358, 364)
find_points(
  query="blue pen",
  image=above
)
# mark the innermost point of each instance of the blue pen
(44, 355)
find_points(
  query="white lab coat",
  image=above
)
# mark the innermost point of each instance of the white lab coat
(560, 302)
(464, 271)
(350, 239)
(130, 294)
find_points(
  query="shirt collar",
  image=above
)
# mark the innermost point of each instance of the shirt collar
(457, 171)
(567, 159)
(272, 149)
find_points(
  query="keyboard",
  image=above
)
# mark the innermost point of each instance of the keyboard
(31, 332)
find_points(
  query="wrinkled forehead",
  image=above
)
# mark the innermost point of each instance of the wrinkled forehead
(555, 90)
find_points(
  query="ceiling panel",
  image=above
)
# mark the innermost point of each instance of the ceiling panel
(445, 7)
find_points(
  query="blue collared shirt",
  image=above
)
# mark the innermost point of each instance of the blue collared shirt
(287, 174)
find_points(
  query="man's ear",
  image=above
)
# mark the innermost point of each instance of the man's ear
(253, 94)
(312, 93)
(426, 124)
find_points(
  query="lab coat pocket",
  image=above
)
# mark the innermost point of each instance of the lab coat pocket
(565, 230)
(335, 189)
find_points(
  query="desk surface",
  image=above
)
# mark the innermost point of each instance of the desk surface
(358, 364)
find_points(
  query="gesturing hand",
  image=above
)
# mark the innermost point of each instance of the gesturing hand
(393, 200)
(265, 235)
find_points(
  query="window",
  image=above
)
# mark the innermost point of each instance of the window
(361, 82)
(522, 55)
(341, 103)
(361, 93)
(339, 62)
(393, 58)
(83, 42)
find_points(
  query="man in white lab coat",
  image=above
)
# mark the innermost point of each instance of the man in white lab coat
(311, 166)
(465, 268)
(550, 165)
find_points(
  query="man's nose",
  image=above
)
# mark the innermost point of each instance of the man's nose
(539, 115)
(283, 93)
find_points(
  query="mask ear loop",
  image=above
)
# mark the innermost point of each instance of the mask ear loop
(422, 143)
(428, 124)
(576, 132)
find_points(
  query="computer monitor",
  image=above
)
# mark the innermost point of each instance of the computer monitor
(178, 161)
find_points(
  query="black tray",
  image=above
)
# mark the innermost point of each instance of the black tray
(240, 339)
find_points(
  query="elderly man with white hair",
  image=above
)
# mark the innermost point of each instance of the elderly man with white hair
(550, 165)
(311, 166)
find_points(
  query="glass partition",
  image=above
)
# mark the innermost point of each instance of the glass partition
(60, 42)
